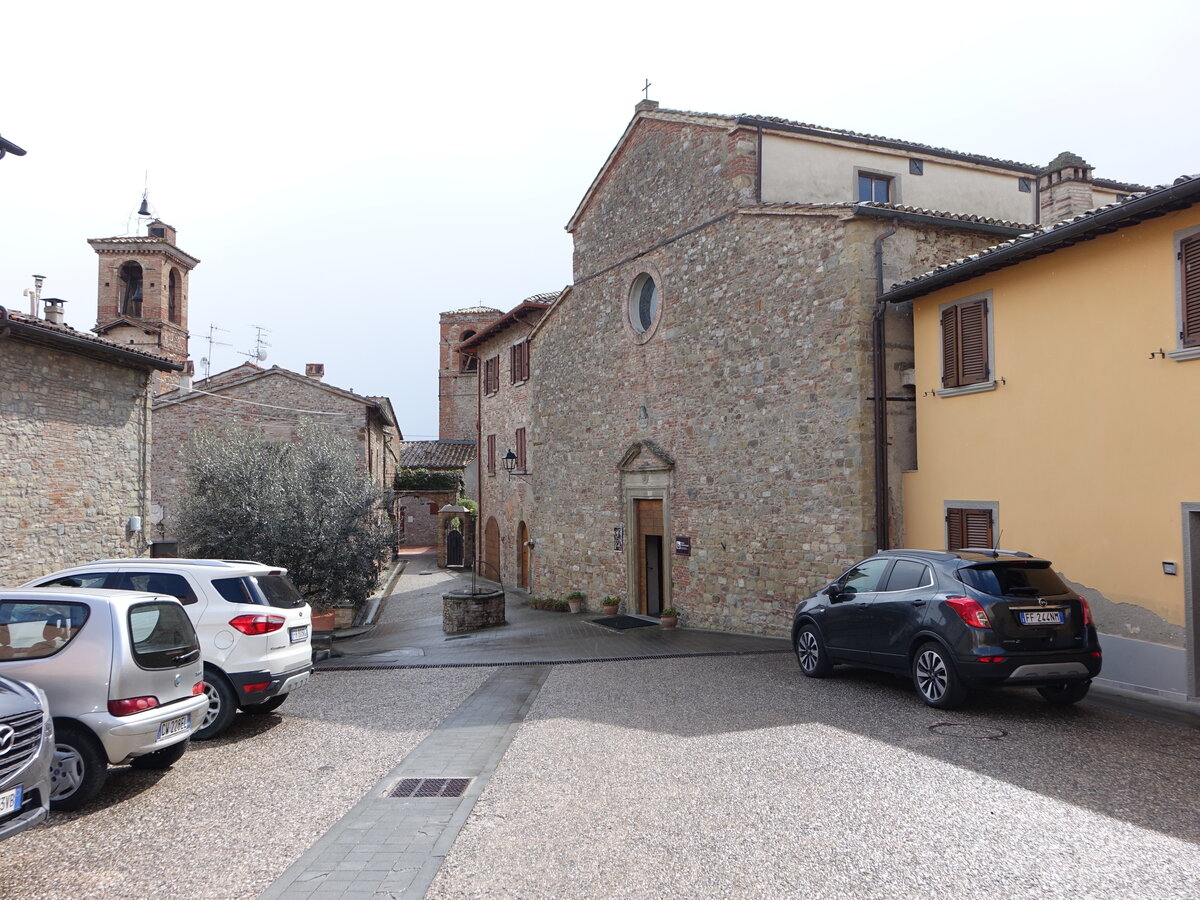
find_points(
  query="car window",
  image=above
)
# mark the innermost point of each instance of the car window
(1014, 579)
(864, 577)
(278, 591)
(32, 629)
(162, 635)
(88, 580)
(235, 590)
(907, 575)
(159, 583)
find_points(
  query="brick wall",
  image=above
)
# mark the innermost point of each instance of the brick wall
(74, 432)
(456, 385)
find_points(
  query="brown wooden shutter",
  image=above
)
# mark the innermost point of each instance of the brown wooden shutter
(954, 529)
(950, 346)
(521, 467)
(514, 364)
(968, 528)
(525, 359)
(491, 454)
(1189, 282)
(973, 342)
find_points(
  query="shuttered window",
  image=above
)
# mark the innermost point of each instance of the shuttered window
(491, 375)
(1189, 282)
(518, 362)
(968, 528)
(521, 466)
(491, 454)
(965, 344)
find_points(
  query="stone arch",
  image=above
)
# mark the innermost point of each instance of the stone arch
(131, 289)
(467, 362)
(174, 291)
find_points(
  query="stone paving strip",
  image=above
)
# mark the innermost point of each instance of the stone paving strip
(392, 846)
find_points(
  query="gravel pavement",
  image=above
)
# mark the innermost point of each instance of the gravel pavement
(235, 812)
(740, 778)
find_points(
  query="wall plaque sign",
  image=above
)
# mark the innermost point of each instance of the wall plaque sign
(683, 545)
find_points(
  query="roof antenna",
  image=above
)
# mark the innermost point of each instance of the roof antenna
(996, 545)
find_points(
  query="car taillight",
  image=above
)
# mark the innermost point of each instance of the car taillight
(970, 611)
(198, 688)
(1087, 611)
(131, 705)
(257, 624)
(991, 659)
(256, 687)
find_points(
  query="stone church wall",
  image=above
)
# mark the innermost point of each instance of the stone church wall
(76, 442)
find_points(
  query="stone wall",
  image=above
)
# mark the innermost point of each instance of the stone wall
(177, 418)
(76, 458)
(456, 383)
(421, 516)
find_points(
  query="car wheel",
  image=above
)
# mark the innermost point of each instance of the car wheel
(78, 768)
(1065, 693)
(810, 653)
(160, 759)
(259, 709)
(936, 679)
(222, 706)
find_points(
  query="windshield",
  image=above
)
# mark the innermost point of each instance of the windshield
(265, 590)
(1007, 579)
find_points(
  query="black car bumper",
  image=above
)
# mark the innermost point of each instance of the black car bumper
(1031, 669)
(255, 687)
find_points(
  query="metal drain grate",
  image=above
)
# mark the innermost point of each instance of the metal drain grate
(430, 787)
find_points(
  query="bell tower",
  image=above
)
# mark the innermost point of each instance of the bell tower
(143, 294)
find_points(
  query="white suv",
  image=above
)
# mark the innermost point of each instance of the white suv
(255, 629)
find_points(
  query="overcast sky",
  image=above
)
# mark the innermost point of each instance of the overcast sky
(346, 171)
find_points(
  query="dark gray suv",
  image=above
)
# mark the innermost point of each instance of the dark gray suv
(26, 748)
(953, 621)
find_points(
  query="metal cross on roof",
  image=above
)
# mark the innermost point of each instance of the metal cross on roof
(646, 88)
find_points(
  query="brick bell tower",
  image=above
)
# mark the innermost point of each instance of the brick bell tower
(143, 294)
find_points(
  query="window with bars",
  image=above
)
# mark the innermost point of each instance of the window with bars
(491, 375)
(1189, 289)
(968, 527)
(491, 454)
(521, 463)
(518, 362)
(965, 339)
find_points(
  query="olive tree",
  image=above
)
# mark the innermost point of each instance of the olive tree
(304, 504)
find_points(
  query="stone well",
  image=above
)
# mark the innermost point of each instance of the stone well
(467, 611)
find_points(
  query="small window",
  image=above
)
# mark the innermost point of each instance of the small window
(1025, 185)
(874, 188)
(521, 466)
(167, 583)
(865, 577)
(643, 303)
(131, 289)
(518, 362)
(32, 629)
(907, 575)
(173, 297)
(491, 454)
(162, 635)
(965, 339)
(916, 167)
(968, 527)
(467, 362)
(491, 375)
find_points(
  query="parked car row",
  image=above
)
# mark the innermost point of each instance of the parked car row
(953, 622)
(126, 660)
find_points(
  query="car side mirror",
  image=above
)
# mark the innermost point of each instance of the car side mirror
(833, 592)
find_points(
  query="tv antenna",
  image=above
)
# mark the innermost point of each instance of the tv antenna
(206, 361)
(259, 351)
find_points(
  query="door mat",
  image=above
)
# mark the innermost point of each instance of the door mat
(620, 623)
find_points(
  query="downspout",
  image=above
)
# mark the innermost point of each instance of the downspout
(758, 160)
(478, 465)
(879, 387)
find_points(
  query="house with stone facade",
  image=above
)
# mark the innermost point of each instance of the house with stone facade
(720, 404)
(75, 427)
(274, 402)
(502, 349)
(430, 475)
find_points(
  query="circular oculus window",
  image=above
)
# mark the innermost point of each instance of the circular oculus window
(643, 304)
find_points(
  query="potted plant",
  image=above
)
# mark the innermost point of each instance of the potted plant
(323, 619)
(670, 617)
(575, 600)
(611, 604)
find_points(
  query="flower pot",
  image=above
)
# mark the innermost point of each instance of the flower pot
(669, 621)
(575, 605)
(610, 610)
(323, 620)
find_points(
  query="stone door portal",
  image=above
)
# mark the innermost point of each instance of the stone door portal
(454, 548)
(650, 556)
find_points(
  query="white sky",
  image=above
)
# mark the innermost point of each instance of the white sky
(345, 171)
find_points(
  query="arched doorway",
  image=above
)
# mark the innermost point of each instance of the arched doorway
(491, 550)
(523, 556)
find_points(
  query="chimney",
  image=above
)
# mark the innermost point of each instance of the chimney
(54, 310)
(315, 370)
(1065, 188)
(185, 377)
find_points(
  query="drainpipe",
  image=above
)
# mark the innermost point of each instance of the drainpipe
(879, 387)
(478, 467)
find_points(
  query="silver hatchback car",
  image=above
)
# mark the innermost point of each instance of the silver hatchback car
(122, 672)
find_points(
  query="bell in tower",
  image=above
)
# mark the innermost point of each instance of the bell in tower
(142, 297)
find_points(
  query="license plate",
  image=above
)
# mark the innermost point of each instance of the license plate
(174, 726)
(1042, 617)
(298, 634)
(10, 800)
